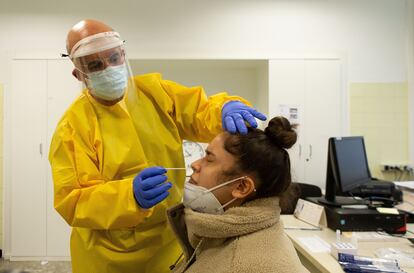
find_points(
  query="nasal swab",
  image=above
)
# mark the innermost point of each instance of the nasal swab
(178, 169)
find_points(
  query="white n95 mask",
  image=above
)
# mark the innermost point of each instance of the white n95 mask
(201, 199)
(108, 84)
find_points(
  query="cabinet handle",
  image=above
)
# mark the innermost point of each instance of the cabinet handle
(300, 150)
(41, 149)
(310, 151)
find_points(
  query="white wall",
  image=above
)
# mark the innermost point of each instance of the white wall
(370, 32)
(234, 76)
(371, 35)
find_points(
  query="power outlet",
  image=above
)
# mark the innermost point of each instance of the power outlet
(397, 167)
(390, 167)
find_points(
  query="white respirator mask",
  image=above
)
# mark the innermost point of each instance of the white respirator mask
(201, 199)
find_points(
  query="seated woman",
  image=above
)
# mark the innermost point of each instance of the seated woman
(229, 220)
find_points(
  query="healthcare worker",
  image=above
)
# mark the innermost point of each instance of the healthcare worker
(110, 152)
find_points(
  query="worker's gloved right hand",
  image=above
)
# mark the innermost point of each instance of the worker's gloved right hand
(149, 187)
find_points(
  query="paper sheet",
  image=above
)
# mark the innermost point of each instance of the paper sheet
(315, 244)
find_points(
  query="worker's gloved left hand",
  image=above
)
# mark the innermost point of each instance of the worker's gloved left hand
(235, 113)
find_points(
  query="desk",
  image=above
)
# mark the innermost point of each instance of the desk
(325, 262)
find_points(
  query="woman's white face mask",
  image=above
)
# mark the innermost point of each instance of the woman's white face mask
(201, 199)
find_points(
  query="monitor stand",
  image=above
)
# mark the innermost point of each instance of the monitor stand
(339, 201)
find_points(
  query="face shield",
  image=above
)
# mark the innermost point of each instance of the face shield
(102, 61)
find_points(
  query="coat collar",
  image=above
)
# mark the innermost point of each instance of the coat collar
(250, 217)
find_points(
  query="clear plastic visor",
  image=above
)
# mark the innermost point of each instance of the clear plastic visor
(101, 60)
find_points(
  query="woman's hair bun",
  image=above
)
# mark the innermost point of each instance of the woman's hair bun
(281, 132)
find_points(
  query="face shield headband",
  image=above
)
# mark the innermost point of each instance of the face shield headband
(96, 43)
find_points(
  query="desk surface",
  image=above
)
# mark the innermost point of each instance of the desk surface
(324, 262)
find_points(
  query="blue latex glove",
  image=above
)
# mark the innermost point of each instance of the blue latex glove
(235, 113)
(149, 187)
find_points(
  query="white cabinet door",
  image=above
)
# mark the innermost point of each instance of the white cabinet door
(286, 87)
(314, 87)
(28, 158)
(62, 89)
(322, 115)
(38, 102)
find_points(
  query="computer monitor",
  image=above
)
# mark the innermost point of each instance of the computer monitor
(347, 169)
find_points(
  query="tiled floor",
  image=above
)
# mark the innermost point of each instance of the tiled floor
(34, 267)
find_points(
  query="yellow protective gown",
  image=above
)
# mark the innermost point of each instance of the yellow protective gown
(96, 152)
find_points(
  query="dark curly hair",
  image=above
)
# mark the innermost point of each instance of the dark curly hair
(263, 155)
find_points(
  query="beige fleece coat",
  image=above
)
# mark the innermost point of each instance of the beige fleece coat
(244, 239)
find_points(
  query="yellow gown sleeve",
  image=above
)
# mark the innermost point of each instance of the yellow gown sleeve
(198, 117)
(82, 196)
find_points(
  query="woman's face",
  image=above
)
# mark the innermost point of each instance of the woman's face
(208, 171)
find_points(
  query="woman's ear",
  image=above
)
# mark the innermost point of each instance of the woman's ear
(244, 189)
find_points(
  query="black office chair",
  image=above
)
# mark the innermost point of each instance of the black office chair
(295, 191)
(309, 190)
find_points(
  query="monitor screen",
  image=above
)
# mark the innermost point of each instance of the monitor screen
(351, 162)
